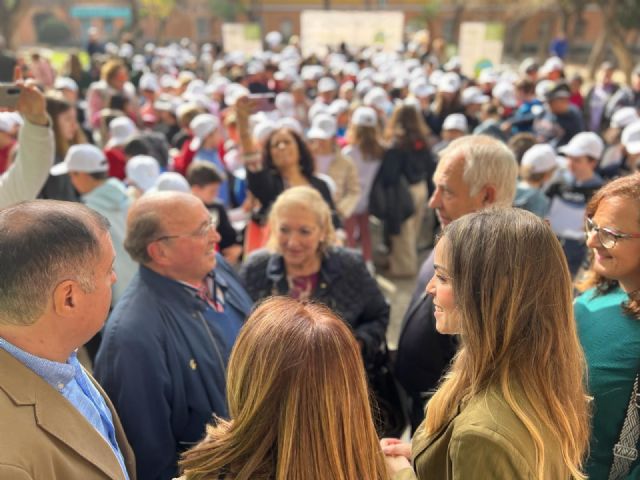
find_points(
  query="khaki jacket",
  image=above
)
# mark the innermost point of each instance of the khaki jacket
(44, 437)
(344, 174)
(484, 441)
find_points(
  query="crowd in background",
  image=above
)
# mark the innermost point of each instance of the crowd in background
(284, 163)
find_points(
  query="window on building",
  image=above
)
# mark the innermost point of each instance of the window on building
(286, 28)
(203, 28)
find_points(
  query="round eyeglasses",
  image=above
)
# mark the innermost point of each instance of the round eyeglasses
(607, 237)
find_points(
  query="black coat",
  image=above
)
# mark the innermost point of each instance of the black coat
(344, 285)
(267, 184)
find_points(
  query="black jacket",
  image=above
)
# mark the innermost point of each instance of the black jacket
(423, 353)
(267, 184)
(344, 285)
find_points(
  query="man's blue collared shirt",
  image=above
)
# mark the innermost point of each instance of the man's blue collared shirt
(73, 383)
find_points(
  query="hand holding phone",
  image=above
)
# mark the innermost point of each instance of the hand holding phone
(9, 95)
(262, 102)
(30, 102)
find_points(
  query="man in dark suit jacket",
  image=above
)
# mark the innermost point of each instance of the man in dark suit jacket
(474, 172)
(56, 260)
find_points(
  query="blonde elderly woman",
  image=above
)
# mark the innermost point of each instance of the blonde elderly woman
(301, 261)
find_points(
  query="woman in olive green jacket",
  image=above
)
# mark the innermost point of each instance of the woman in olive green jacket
(513, 405)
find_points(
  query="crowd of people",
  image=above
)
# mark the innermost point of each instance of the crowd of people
(199, 222)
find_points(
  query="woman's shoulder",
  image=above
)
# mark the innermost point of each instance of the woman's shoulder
(489, 423)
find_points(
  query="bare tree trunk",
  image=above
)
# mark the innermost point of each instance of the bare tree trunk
(622, 53)
(597, 53)
(457, 20)
(545, 38)
(162, 24)
(136, 29)
(10, 18)
(513, 37)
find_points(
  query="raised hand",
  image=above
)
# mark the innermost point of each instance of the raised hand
(31, 102)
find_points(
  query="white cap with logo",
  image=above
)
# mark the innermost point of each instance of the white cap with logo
(584, 144)
(202, 125)
(456, 121)
(631, 138)
(540, 158)
(83, 157)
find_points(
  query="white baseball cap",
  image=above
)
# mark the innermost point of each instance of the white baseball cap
(273, 39)
(474, 96)
(170, 182)
(456, 121)
(149, 81)
(540, 158)
(121, 129)
(327, 84)
(631, 138)
(201, 126)
(83, 157)
(262, 130)
(8, 121)
(552, 64)
(505, 93)
(65, 83)
(377, 98)
(323, 127)
(285, 103)
(364, 117)
(449, 83)
(584, 143)
(143, 171)
(316, 109)
(624, 116)
(338, 106)
(290, 123)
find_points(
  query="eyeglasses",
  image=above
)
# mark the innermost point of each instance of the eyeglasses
(607, 237)
(203, 231)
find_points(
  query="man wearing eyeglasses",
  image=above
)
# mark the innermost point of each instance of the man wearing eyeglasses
(166, 345)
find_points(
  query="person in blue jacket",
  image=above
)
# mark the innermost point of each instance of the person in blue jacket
(166, 344)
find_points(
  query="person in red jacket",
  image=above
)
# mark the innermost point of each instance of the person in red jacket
(121, 129)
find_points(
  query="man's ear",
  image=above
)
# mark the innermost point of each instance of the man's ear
(157, 252)
(489, 195)
(65, 297)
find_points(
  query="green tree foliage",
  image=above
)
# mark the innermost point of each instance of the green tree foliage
(53, 31)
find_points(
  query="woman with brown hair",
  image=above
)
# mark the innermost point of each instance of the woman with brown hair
(298, 403)
(66, 132)
(513, 404)
(366, 150)
(608, 317)
(408, 163)
(114, 77)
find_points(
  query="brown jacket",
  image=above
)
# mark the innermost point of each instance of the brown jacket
(486, 440)
(44, 437)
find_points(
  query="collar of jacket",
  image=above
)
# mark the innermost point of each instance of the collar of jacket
(176, 291)
(329, 268)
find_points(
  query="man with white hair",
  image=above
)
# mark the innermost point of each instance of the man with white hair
(474, 172)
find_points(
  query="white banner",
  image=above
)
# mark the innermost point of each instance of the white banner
(322, 28)
(480, 44)
(242, 37)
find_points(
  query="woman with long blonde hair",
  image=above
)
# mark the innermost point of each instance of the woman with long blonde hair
(514, 404)
(298, 403)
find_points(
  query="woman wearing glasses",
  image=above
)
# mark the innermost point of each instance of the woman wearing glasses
(608, 314)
